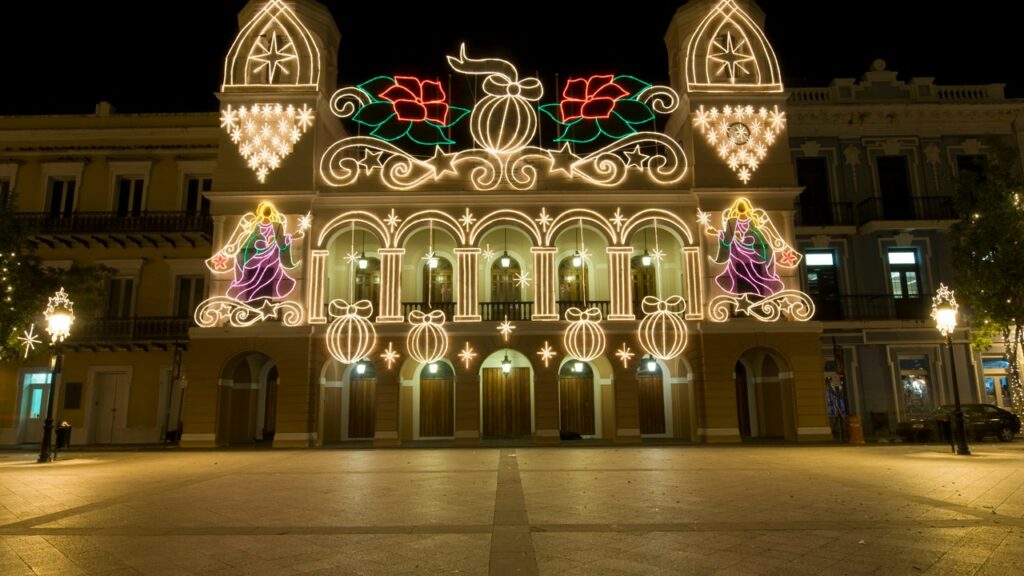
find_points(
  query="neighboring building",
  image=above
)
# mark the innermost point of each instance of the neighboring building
(351, 256)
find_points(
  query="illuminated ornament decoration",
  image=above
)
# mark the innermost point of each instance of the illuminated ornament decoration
(740, 134)
(750, 248)
(29, 339)
(584, 339)
(427, 340)
(728, 52)
(546, 353)
(258, 253)
(503, 122)
(662, 332)
(625, 354)
(600, 106)
(351, 336)
(266, 133)
(467, 355)
(390, 355)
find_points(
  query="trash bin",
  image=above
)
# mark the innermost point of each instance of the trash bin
(63, 435)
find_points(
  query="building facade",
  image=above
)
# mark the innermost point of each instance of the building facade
(395, 262)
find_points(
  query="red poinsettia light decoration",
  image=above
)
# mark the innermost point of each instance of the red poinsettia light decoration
(591, 98)
(416, 100)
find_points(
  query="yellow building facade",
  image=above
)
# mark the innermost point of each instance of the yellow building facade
(388, 262)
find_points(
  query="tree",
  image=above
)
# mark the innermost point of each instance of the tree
(988, 255)
(26, 284)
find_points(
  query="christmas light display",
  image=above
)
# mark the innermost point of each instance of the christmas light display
(506, 328)
(662, 332)
(29, 339)
(750, 248)
(390, 355)
(273, 49)
(467, 354)
(266, 133)
(625, 354)
(728, 52)
(740, 134)
(546, 353)
(427, 341)
(351, 336)
(503, 122)
(584, 338)
(258, 253)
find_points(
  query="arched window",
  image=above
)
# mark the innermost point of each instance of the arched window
(571, 284)
(437, 281)
(503, 280)
(643, 275)
(368, 280)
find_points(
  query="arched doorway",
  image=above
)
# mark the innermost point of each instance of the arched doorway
(362, 401)
(247, 400)
(765, 403)
(576, 405)
(651, 393)
(436, 401)
(506, 399)
(367, 280)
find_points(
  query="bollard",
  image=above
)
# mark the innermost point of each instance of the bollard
(856, 433)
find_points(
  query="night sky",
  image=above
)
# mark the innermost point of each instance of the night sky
(171, 60)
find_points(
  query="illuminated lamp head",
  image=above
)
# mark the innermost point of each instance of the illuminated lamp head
(432, 368)
(645, 260)
(506, 365)
(577, 259)
(651, 365)
(577, 367)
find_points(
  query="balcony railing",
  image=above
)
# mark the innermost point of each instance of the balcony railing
(602, 305)
(143, 228)
(914, 208)
(447, 307)
(498, 311)
(134, 330)
(872, 307)
(833, 214)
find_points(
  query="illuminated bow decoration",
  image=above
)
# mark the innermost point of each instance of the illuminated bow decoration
(340, 308)
(672, 305)
(577, 315)
(502, 77)
(433, 317)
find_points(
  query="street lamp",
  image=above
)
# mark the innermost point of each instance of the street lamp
(944, 311)
(60, 316)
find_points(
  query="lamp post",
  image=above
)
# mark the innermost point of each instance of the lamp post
(944, 311)
(59, 317)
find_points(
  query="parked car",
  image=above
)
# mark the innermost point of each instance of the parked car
(981, 421)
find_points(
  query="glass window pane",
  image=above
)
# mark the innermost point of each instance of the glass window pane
(912, 291)
(995, 363)
(897, 284)
(36, 403)
(902, 257)
(820, 259)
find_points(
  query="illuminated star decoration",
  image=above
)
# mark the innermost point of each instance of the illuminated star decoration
(305, 222)
(488, 254)
(268, 310)
(657, 255)
(430, 255)
(274, 57)
(731, 57)
(585, 254)
(740, 134)
(546, 353)
(704, 218)
(467, 355)
(467, 219)
(371, 160)
(390, 355)
(625, 354)
(392, 220)
(352, 258)
(266, 133)
(618, 219)
(29, 339)
(635, 157)
(523, 279)
(545, 219)
(506, 328)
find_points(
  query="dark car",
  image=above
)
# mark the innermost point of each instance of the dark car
(981, 421)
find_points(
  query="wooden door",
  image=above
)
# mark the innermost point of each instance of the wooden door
(437, 404)
(652, 404)
(506, 399)
(362, 407)
(770, 402)
(576, 405)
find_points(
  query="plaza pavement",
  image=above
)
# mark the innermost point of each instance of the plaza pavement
(893, 509)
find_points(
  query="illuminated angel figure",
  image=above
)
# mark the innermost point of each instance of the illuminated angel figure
(262, 254)
(750, 246)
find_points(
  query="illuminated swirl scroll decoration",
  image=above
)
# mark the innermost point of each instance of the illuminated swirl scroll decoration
(219, 309)
(503, 123)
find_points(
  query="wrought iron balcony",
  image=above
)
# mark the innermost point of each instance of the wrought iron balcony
(498, 311)
(871, 307)
(833, 214)
(114, 228)
(603, 305)
(447, 307)
(914, 208)
(136, 331)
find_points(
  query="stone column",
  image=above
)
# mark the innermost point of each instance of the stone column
(545, 291)
(620, 284)
(467, 309)
(390, 308)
